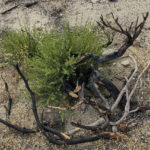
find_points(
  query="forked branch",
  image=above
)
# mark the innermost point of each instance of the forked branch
(130, 38)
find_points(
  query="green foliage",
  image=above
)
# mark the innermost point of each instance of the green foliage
(48, 60)
(62, 116)
(17, 45)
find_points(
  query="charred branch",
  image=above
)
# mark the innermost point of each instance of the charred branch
(10, 9)
(130, 38)
(30, 4)
(20, 129)
(34, 108)
(8, 108)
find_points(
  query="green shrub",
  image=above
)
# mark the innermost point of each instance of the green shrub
(48, 59)
(17, 45)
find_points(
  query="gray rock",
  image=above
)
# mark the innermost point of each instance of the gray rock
(125, 63)
(52, 119)
(114, 129)
(148, 112)
(108, 51)
(95, 1)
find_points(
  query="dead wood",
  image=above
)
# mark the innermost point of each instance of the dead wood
(115, 105)
(130, 38)
(30, 4)
(54, 107)
(127, 110)
(20, 129)
(91, 126)
(34, 108)
(10, 9)
(8, 108)
(9, 1)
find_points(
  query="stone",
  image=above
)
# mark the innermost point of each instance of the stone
(52, 119)
(125, 63)
(148, 112)
(114, 129)
(95, 1)
(108, 51)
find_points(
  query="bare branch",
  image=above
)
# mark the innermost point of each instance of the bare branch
(20, 129)
(96, 123)
(129, 41)
(129, 96)
(114, 106)
(126, 112)
(9, 97)
(139, 77)
(41, 126)
(54, 107)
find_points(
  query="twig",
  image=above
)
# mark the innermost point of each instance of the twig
(54, 107)
(96, 123)
(109, 37)
(30, 4)
(9, 1)
(111, 88)
(8, 109)
(127, 109)
(128, 97)
(92, 128)
(10, 9)
(114, 106)
(77, 105)
(81, 98)
(139, 77)
(41, 127)
(135, 110)
(128, 42)
(20, 129)
(114, 135)
(98, 107)
(97, 93)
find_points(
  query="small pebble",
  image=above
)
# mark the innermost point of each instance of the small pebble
(125, 63)
(114, 129)
(148, 112)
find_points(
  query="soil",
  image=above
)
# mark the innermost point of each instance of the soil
(46, 14)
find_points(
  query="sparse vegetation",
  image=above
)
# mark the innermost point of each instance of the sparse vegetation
(49, 59)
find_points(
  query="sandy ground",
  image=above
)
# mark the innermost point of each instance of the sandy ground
(53, 13)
